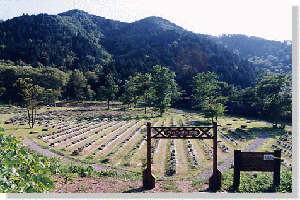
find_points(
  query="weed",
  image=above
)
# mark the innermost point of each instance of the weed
(81, 188)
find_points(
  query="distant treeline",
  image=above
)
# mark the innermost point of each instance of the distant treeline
(270, 97)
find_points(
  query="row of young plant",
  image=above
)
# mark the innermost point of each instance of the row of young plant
(108, 134)
(93, 137)
(72, 135)
(93, 131)
(237, 135)
(287, 147)
(223, 147)
(141, 142)
(127, 139)
(90, 137)
(121, 132)
(228, 138)
(170, 158)
(192, 156)
(207, 149)
(155, 143)
(169, 164)
(62, 132)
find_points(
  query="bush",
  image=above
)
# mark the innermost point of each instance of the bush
(252, 182)
(21, 171)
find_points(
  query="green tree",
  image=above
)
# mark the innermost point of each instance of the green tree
(144, 88)
(209, 93)
(29, 92)
(77, 85)
(213, 107)
(163, 88)
(274, 97)
(205, 85)
(109, 90)
(50, 96)
(89, 93)
(130, 95)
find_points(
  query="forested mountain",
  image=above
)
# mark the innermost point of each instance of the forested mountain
(78, 40)
(52, 40)
(273, 56)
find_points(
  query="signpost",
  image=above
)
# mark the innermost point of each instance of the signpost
(182, 133)
(256, 161)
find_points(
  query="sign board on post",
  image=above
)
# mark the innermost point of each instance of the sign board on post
(256, 161)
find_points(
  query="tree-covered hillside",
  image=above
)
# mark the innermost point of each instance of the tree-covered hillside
(153, 40)
(53, 40)
(272, 56)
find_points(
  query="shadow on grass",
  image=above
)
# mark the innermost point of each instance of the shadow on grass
(257, 132)
(136, 190)
(200, 123)
(273, 132)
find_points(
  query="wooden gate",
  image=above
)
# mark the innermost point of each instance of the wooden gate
(182, 133)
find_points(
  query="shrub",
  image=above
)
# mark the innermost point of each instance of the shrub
(21, 171)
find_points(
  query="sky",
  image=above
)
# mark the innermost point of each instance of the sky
(269, 19)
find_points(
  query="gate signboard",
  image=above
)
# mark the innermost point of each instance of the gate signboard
(256, 161)
(182, 133)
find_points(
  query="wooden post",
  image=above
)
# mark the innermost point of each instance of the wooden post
(277, 162)
(215, 180)
(237, 169)
(149, 147)
(215, 154)
(148, 178)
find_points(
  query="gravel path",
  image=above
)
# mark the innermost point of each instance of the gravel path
(49, 153)
(206, 173)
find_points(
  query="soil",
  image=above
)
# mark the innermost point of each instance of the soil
(118, 185)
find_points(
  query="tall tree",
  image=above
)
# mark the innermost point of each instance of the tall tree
(144, 88)
(274, 97)
(213, 107)
(29, 92)
(109, 90)
(208, 93)
(205, 85)
(163, 88)
(130, 95)
(76, 86)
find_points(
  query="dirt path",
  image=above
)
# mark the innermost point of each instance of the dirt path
(206, 173)
(49, 153)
